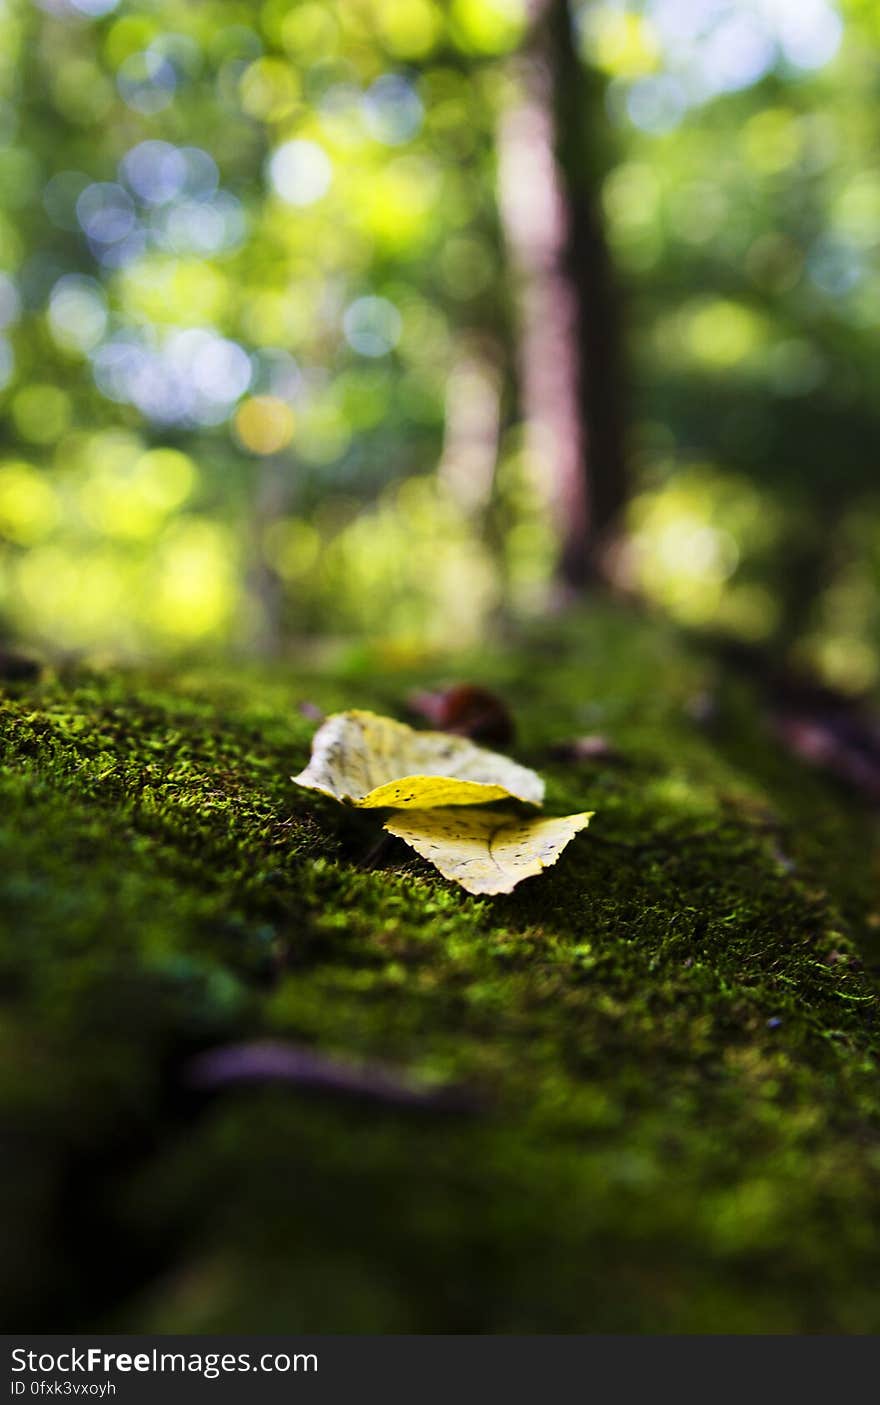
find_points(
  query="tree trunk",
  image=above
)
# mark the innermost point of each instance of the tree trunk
(569, 340)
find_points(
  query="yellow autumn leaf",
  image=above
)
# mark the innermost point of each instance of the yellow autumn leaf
(373, 761)
(486, 851)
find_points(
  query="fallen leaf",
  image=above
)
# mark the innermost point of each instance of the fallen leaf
(468, 711)
(374, 761)
(486, 851)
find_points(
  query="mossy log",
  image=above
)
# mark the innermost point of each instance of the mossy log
(667, 1044)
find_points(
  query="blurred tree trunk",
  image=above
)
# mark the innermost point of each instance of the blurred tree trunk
(473, 423)
(264, 593)
(570, 376)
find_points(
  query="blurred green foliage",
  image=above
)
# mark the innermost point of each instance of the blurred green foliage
(254, 276)
(747, 225)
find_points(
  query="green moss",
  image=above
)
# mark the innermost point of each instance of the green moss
(671, 1036)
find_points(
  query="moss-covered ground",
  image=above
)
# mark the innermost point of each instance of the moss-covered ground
(670, 1040)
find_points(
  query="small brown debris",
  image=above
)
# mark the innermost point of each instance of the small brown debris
(18, 668)
(591, 747)
(467, 710)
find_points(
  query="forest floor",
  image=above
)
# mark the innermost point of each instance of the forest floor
(662, 1053)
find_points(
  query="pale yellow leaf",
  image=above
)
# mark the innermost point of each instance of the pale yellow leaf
(486, 851)
(374, 761)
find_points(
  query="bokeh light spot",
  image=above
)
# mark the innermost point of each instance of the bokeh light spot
(292, 547)
(488, 26)
(165, 477)
(155, 170)
(772, 140)
(147, 82)
(194, 592)
(264, 424)
(301, 172)
(105, 212)
(269, 89)
(77, 313)
(372, 326)
(41, 413)
(409, 30)
(310, 29)
(95, 9)
(29, 509)
(393, 110)
(721, 332)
